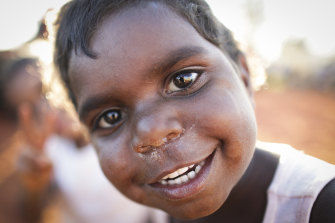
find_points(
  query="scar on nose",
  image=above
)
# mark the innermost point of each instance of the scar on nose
(156, 154)
(192, 126)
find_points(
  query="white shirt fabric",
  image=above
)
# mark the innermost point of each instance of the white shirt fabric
(297, 182)
(87, 196)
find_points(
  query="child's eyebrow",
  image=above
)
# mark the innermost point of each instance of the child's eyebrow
(91, 103)
(172, 58)
(176, 56)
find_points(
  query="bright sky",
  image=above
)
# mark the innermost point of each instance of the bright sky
(19, 19)
(312, 20)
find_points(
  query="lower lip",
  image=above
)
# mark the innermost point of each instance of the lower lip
(188, 189)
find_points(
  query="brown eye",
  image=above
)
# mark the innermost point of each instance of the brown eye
(182, 81)
(109, 119)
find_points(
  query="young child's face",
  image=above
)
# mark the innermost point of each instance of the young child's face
(159, 99)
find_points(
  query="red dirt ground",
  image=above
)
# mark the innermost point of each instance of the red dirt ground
(304, 119)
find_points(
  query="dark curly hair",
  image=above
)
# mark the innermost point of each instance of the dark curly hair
(78, 21)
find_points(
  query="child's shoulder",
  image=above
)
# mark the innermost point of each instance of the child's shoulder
(295, 163)
(300, 182)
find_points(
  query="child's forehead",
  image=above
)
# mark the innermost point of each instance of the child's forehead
(151, 31)
(133, 25)
(129, 25)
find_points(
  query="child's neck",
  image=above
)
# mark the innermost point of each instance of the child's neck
(248, 199)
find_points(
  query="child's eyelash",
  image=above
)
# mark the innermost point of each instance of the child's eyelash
(183, 80)
(113, 113)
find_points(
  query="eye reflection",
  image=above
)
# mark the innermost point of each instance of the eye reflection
(182, 81)
(109, 119)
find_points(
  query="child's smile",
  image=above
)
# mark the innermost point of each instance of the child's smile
(168, 114)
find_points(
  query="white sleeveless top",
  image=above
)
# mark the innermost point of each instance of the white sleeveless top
(297, 182)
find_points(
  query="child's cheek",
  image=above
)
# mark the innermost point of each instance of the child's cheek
(223, 111)
(223, 106)
(116, 161)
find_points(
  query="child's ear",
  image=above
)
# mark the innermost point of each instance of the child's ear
(245, 76)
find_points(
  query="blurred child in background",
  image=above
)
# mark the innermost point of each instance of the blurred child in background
(54, 152)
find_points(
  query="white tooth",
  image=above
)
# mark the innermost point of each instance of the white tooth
(182, 170)
(173, 175)
(163, 182)
(178, 172)
(191, 174)
(184, 178)
(202, 163)
(171, 182)
(197, 169)
(191, 166)
(178, 181)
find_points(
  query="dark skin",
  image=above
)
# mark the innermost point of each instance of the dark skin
(324, 207)
(145, 100)
(7, 130)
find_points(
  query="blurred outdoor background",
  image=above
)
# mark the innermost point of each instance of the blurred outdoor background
(290, 46)
(291, 49)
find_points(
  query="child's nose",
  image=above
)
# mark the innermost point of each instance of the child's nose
(155, 129)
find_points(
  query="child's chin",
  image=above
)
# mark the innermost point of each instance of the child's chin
(196, 211)
(192, 215)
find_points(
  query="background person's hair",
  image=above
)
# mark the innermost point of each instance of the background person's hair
(10, 65)
(79, 20)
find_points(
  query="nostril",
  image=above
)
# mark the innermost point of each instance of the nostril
(154, 131)
(171, 136)
(143, 149)
(156, 144)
